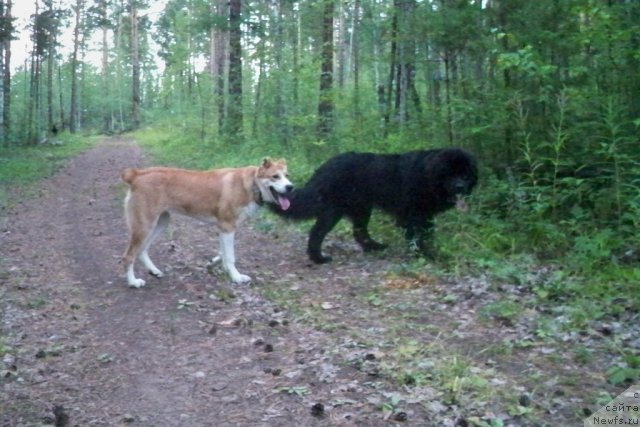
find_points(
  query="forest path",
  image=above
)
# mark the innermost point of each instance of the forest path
(188, 350)
(357, 342)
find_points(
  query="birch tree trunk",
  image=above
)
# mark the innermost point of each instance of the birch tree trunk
(325, 103)
(135, 68)
(234, 106)
(106, 113)
(355, 28)
(2, 71)
(6, 78)
(73, 110)
(50, 65)
(220, 59)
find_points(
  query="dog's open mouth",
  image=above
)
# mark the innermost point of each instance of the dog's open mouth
(461, 203)
(280, 199)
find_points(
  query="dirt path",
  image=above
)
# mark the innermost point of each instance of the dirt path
(189, 350)
(302, 345)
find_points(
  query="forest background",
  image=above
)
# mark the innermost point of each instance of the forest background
(545, 93)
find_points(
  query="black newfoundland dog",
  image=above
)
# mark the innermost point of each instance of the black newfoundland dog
(413, 187)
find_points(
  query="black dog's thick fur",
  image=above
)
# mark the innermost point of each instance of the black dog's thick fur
(413, 187)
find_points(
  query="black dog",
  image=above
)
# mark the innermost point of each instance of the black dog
(413, 187)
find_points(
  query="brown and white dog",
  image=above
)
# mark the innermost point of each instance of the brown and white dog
(224, 197)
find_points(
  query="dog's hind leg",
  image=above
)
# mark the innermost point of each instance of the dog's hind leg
(138, 234)
(137, 239)
(160, 226)
(229, 258)
(360, 219)
(324, 224)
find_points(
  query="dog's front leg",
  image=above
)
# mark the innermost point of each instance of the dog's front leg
(419, 235)
(229, 258)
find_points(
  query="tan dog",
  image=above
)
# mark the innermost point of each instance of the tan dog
(222, 196)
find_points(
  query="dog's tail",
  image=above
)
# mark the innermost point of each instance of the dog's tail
(128, 175)
(305, 203)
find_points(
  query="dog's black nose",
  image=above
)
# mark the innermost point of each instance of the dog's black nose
(288, 188)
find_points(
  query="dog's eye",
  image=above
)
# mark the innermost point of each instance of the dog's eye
(276, 176)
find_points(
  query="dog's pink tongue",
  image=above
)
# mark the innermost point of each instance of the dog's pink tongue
(284, 203)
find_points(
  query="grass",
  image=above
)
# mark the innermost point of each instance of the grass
(22, 166)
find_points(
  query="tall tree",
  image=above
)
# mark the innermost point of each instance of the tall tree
(74, 109)
(325, 103)
(234, 106)
(402, 64)
(135, 65)
(355, 49)
(46, 26)
(220, 58)
(100, 16)
(6, 35)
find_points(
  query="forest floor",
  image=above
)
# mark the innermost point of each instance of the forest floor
(355, 342)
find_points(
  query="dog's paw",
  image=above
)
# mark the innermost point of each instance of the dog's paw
(157, 273)
(372, 245)
(321, 259)
(240, 278)
(137, 283)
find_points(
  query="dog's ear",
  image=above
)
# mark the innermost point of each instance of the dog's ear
(267, 162)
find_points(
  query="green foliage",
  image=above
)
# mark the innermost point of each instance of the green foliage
(299, 391)
(627, 372)
(505, 311)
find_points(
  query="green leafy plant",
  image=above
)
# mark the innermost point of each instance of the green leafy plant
(628, 371)
(504, 311)
(295, 390)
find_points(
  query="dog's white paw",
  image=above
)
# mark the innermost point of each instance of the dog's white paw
(137, 283)
(240, 278)
(156, 272)
(216, 259)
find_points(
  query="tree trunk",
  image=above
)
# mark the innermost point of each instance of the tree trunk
(508, 127)
(356, 60)
(106, 113)
(325, 104)
(447, 95)
(73, 110)
(118, 109)
(135, 68)
(393, 59)
(405, 61)
(258, 100)
(234, 107)
(296, 63)
(60, 99)
(220, 59)
(34, 95)
(341, 45)
(6, 79)
(281, 112)
(3, 137)
(261, 48)
(50, 64)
